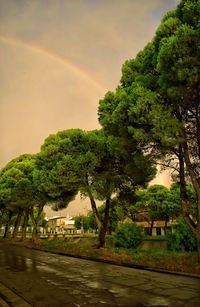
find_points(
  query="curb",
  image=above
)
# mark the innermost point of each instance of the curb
(128, 265)
(8, 298)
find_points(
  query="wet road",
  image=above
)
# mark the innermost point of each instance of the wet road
(49, 280)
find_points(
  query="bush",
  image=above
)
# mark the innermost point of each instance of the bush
(128, 235)
(182, 239)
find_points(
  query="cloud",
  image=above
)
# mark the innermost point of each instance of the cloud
(40, 95)
(98, 36)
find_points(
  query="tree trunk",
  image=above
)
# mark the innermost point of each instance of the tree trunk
(34, 232)
(183, 193)
(93, 205)
(110, 229)
(25, 223)
(103, 229)
(17, 223)
(133, 217)
(1, 216)
(7, 226)
(193, 176)
(95, 212)
(151, 228)
(35, 221)
(165, 226)
(198, 229)
(195, 228)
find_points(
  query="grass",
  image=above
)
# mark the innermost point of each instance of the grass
(157, 259)
(155, 238)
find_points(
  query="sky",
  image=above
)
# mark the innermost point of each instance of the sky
(58, 58)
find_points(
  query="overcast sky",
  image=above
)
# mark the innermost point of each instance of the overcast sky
(59, 57)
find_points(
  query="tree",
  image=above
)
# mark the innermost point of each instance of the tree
(20, 194)
(81, 222)
(116, 214)
(174, 198)
(16, 189)
(93, 163)
(158, 203)
(180, 81)
(158, 101)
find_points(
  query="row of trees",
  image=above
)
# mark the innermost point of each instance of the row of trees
(154, 115)
(20, 197)
(70, 161)
(157, 102)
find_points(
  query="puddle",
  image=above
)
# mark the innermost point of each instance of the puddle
(157, 302)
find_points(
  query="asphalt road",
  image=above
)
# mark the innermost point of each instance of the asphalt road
(49, 280)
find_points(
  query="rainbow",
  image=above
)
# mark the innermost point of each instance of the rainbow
(63, 61)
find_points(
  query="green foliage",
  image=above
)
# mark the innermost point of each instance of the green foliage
(41, 222)
(175, 200)
(158, 84)
(116, 214)
(54, 244)
(81, 221)
(19, 193)
(17, 189)
(157, 102)
(92, 162)
(182, 239)
(128, 235)
(68, 158)
(158, 202)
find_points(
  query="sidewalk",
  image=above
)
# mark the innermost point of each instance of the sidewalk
(9, 298)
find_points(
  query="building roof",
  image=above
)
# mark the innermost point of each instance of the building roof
(56, 218)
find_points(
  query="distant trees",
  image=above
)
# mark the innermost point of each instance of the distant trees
(85, 223)
(158, 203)
(158, 103)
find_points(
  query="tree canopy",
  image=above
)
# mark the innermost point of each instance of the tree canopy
(94, 163)
(158, 100)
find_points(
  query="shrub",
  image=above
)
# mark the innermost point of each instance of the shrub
(128, 235)
(182, 239)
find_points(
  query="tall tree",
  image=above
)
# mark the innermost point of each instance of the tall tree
(158, 100)
(93, 163)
